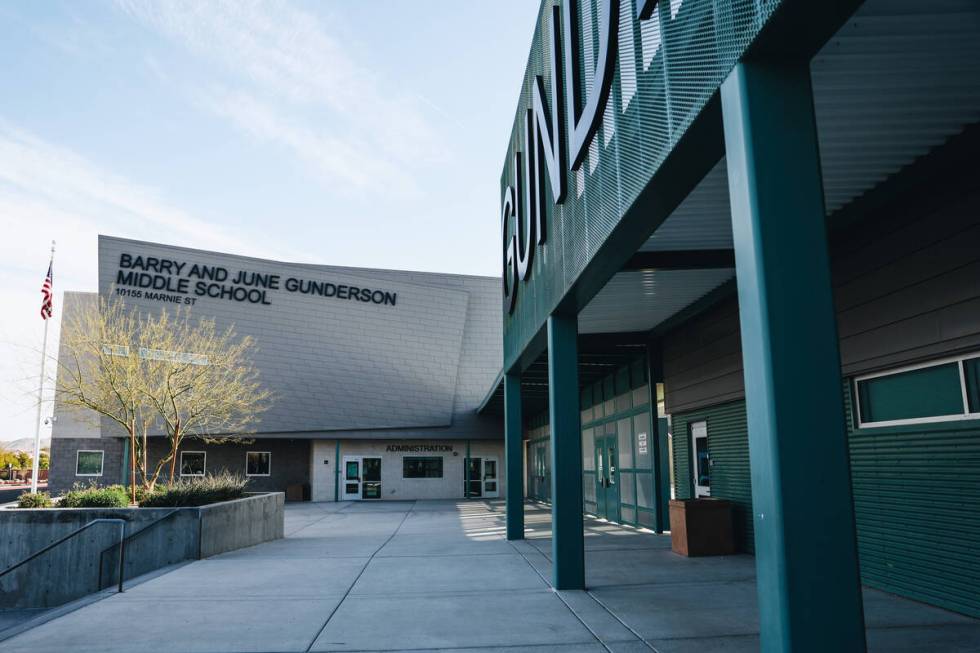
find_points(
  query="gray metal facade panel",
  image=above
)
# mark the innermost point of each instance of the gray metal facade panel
(703, 360)
(913, 292)
(910, 293)
(640, 300)
(331, 363)
(896, 81)
(368, 370)
(73, 423)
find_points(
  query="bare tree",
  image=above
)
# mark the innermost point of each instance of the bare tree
(99, 369)
(201, 382)
(159, 372)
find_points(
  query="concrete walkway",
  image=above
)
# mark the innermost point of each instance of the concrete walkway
(440, 576)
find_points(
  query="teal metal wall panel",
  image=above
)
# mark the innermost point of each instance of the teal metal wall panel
(667, 70)
(917, 507)
(916, 499)
(616, 408)
(728, 446)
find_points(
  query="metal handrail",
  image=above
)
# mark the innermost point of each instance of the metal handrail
(129, 538)
(122, 547)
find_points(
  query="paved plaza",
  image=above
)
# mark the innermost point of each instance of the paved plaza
(440, 576)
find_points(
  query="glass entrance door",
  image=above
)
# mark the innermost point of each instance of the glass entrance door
(540, 482)
(351, 485)
(491, 489)
(473, 482)
(607, 477)
(362, 478)
(371, 483)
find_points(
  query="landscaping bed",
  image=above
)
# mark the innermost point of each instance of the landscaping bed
(183, 493)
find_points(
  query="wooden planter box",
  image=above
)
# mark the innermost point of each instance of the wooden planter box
(701, 527)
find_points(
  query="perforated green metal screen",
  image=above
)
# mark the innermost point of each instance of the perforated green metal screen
(667, 68)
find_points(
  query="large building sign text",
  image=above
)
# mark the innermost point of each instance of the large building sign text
(179, 282)
(556, 138)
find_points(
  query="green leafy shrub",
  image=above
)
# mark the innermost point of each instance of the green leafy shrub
(39, 500)
(93, 496)
(224, 486)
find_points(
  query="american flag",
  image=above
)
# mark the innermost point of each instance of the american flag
(47, 305)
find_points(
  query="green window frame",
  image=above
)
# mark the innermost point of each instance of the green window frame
(88, 462)
(942, 390)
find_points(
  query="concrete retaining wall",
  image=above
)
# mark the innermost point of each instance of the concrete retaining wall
(157, 537)
(244, 522)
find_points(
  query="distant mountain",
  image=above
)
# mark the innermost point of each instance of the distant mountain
(25, 444)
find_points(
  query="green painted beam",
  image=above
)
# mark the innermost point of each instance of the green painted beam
(567, 524)
(514, 456)
(806, 553)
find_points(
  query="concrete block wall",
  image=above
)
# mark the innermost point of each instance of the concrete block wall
(64, 451)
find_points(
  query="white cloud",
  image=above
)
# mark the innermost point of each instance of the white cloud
(295, 84)
(335, 159)
(50, 192)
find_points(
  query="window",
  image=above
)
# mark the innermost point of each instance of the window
(192, 463)
(971, 374)
(422, 467)
(89, 463)
(938, 391)
(258, 463)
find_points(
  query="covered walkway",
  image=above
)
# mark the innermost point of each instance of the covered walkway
(440, 575)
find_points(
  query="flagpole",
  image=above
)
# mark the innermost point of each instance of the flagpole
(35, 469)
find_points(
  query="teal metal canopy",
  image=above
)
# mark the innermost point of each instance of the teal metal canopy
(892, 81)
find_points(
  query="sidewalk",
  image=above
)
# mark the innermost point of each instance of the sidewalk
(440, 576)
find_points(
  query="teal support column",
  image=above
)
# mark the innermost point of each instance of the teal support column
(336, 473)
(806, 553)
(567, 525)
(658, 443)
(514, 456)
(663, 464)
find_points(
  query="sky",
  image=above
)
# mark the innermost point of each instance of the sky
(345, 132)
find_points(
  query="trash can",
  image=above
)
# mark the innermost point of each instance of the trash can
(701, 527)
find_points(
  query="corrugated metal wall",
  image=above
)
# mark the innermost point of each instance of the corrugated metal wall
(916, 499)
(728, 445)
(917, 506)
